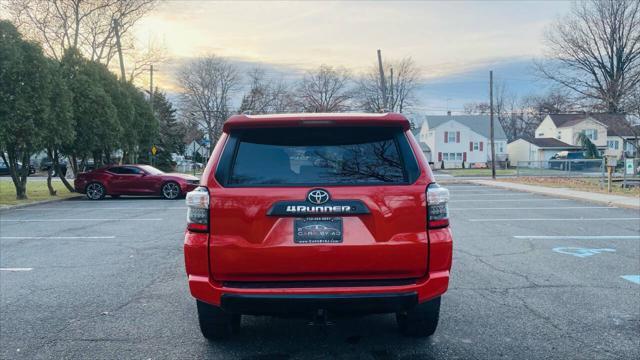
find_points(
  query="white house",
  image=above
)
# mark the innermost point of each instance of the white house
(458, 139)
(426, 151)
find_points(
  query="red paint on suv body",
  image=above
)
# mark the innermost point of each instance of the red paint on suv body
(244, 251)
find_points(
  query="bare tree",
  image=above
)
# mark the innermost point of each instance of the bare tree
(266, 96)
(519, 117)
(208, 83)
(401, 82)
(325, 90)
(87, 25)
(595, 51)
(139, 61)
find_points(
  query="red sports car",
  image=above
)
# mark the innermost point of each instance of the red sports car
(119, 180)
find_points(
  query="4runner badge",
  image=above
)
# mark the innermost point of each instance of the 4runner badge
(318, 202)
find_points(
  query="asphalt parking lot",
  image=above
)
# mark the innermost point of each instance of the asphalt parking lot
(533, 277)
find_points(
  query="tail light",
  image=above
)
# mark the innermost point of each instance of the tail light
(198, 210)
(437, 207)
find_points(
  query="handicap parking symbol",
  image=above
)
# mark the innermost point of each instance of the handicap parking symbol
(581, 252)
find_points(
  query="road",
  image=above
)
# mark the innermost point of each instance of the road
(105, 280)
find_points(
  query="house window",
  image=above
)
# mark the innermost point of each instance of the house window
(592, 134)
(559, 135)
(500, 147)
(613, 144)
(452, 156)
(476, 146)
(452, 136)
(540, 134)
(629, 146)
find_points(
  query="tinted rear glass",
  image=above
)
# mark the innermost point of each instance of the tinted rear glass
(305, 156)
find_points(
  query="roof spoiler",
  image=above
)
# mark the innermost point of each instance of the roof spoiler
(244, 121)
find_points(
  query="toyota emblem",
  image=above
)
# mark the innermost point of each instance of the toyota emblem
(318, 196)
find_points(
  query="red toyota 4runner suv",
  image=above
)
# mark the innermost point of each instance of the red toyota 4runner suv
(315, 214)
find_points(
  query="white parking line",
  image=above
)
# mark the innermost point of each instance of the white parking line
(579, 237)
(486, 191)
(501, 200)
(54, 220)
(537, 208)
(494, 194)
(16, 269)
(100, 208)
(556, 219)
(55, 237)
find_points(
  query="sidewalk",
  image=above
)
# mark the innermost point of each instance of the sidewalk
(614, 200)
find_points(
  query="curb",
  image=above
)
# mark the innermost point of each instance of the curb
(18, 206)
(566, 196)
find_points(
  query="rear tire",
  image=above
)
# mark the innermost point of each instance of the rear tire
(170, 190)
(215, 323)
(95, 191)
(421, 321)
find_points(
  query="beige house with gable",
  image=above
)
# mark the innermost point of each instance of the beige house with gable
(567, 127)
(611, 133)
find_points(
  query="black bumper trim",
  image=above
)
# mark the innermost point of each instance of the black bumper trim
(309, 303)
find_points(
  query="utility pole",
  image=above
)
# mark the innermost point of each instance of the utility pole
(391, 100)
(116, 30)
(383, 82)
(493, 146)
(151, 87)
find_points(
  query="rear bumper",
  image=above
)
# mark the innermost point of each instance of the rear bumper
(383, 295)
(365, 299)
(303, 304)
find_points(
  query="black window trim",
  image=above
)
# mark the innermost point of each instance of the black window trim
(411, 169)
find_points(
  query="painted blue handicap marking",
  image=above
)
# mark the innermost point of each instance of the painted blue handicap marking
(581, 252)
(632, 278)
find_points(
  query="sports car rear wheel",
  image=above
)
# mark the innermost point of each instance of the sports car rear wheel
(170, 190)
(95, 191)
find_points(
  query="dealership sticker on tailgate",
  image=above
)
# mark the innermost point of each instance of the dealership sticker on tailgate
(317, 230)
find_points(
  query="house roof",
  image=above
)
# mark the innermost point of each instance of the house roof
(551, 143)
(566, 120)
(617, 124)
(477, 123)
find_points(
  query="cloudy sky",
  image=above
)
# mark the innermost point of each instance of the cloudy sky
(453, 43)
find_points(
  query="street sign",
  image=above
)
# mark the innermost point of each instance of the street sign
(628, 166)
(154, 150)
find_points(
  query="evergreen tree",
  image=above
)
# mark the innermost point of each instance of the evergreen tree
(25, 87)
(170, 132)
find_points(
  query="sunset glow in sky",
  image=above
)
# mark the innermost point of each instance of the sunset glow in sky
(444, 38)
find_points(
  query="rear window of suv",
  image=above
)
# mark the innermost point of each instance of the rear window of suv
(317, 156)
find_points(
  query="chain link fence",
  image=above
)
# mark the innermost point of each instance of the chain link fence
(565, 168)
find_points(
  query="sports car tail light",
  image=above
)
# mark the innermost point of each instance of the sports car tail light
(198, 210)
(437, 208)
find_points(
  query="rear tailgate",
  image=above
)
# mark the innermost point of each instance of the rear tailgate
(262, 168)
(249, 245)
